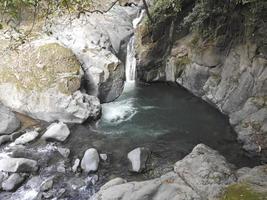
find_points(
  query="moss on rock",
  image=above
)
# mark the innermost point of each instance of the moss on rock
(242, 191)
(40, 68)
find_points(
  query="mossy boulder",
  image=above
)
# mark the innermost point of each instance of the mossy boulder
(243, 191)
(42, 79)
(41, 67)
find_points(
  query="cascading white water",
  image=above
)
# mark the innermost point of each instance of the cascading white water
(130, 67)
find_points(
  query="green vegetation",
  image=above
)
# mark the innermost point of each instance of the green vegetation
(242, 191)
(163, 9)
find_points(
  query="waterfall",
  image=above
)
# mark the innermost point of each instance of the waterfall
(130, 66)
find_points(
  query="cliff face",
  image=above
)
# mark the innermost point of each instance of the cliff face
(218, 51)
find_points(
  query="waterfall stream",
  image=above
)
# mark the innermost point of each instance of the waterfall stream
(130, 66)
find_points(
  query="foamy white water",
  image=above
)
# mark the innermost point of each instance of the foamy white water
(119, 111)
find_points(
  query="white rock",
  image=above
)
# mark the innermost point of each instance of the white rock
(27, 137)
(65, 152)
(18, 165)
(138, 158)
(104, 156)
(12, 182)
(76, 165)
(57, 131)
(90, 160)
(61, 167)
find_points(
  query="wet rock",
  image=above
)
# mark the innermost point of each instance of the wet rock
(4, 139)
(27, 137)
(103, 156)
(61, 167)
(138, 159)
(90, 160)
(3, 176)
(65, 152)
(92, 180)
(8, 120)
(18, 165)
(16, 135)
(75, 165)
(13, 182)
(57, 131)
(200, 175)
(47, 184)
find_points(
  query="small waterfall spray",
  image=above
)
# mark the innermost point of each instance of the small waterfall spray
(130, 67)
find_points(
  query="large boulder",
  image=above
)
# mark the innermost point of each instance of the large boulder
(206, 171)
(99, 40)
(42, 79)
(18, 165)
(203, 174)
(8, 120)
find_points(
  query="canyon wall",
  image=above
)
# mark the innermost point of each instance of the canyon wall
(216, 50)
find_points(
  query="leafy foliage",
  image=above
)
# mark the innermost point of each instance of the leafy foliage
(11, 10)
(163, 9)
(235, 18)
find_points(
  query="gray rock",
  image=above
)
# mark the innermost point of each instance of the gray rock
(3, 176)
(90, 160)
(57, 131)
(75, 165)
(202, 174)
(169, 186)
(100, 48)
(4, 139)
(13, 182)
(16, 135)
(65, 152)
(206, 171)
(113, 182)
(27, 137)
(194, 78)
(8, 120)
(57, 96)
(138, 159)
(47, 184)
(103, 156)
(61, 167)
(18, 165)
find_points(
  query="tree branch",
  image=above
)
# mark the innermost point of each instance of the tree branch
(98, 11)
